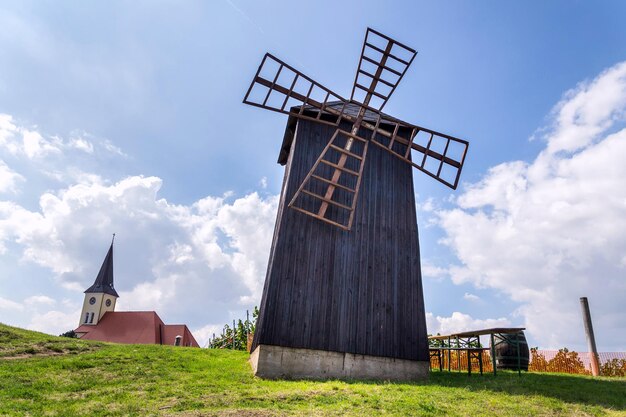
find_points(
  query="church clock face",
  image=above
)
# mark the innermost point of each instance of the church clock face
(108, 303)
(92, 300)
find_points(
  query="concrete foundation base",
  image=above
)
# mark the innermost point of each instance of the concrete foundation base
(274, 362)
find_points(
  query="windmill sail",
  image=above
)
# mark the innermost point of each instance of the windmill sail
(382, 65)
(279, 87)
(436, 154)
(330, 190)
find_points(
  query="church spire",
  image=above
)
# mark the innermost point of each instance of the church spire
(104, 280)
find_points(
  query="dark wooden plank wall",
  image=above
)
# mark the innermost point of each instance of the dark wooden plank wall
(359, 291)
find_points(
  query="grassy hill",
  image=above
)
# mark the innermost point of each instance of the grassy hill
(43, 375)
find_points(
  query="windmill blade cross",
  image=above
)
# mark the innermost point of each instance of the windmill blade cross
(385, 54)
(281, 88)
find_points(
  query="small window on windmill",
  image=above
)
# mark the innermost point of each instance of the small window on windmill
(178, 339)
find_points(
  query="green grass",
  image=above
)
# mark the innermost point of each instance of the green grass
(16, 343)
(68, 377)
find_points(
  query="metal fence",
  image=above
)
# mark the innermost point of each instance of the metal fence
(563, 361)
(611, 363)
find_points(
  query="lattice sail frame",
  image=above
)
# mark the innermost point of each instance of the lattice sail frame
(384, 61)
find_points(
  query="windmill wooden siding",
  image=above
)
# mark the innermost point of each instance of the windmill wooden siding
(360, 291)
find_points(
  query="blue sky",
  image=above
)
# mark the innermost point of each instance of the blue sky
(127, 117)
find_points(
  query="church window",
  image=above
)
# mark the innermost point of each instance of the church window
(91, 319)
(87, 318)
(108, 303)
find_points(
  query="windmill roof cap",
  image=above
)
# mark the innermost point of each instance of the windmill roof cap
(351, 109)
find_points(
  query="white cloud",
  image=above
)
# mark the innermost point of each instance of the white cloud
(53, 155)
(81, 144)
(24, 227)
(6, 304)
(548, 232)
(107, 145)
(182, 261)
(191, 263)
(8, 131)
(18, 140)
(8, 179)
(471, 297)
(34, 145)
(431, 271)
(427, 206)
(588, 110)
(459, 322)
(36, 300)
(249, 223)
(205, 333)
(54, 321)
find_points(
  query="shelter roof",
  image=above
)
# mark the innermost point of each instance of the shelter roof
(473, 333)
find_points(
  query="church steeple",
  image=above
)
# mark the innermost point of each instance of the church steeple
(100, 298)
(104, 280)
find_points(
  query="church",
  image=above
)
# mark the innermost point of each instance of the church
(100, 321)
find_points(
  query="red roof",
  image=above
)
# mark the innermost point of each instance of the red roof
(140, 327)
(172, 330)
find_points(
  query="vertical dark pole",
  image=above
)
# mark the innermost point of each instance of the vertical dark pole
(480, 356)
(458, 354)
(469, 360)
(247, 328)
(493, 353)
(519, 355)
(440, 358)
(449, 354)
(591, 340)
(234, 334)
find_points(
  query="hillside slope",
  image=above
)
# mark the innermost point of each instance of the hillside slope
(46, 375)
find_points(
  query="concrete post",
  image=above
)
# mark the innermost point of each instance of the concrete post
(591, 340)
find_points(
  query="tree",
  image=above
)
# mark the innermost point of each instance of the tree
(566, 361)
(239, 333)
(538, 362)
(614, 367)
(69, 333)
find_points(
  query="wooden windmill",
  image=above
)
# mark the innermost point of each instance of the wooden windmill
(343, 280)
